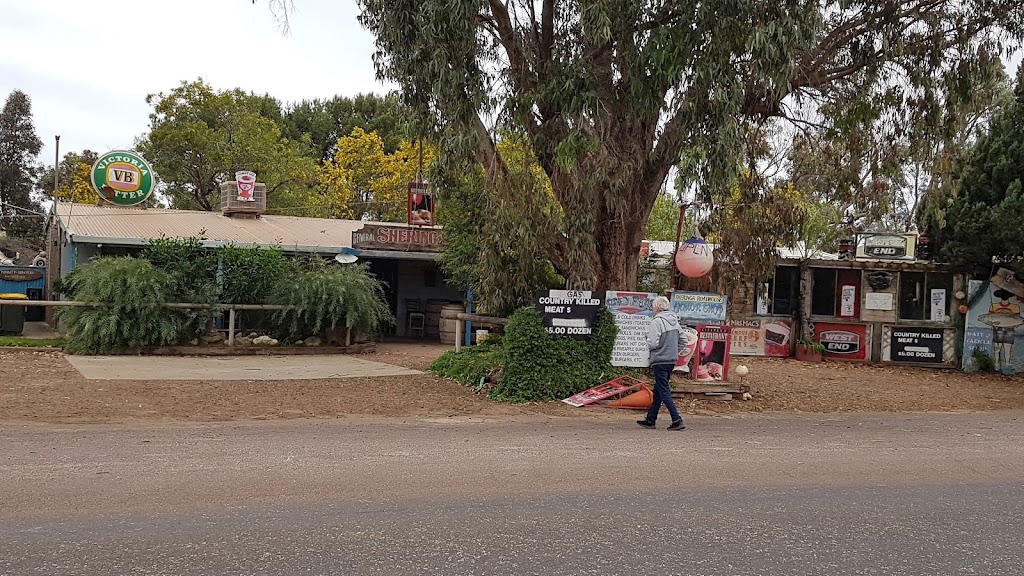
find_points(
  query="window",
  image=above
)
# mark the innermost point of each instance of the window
(783, 292)
(916, 294)
(826, 293)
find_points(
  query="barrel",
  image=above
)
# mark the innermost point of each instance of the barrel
(432, 318)
(449, 322)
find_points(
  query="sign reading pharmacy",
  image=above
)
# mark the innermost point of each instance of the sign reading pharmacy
(122, 177)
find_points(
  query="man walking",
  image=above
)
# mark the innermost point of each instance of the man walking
(666, 342)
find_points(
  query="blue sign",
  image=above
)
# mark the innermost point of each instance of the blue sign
(699, 307)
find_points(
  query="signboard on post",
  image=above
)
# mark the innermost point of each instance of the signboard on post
(922, 345)
(881, 246)
(568, 313)
(633, 312)
(843, 341)
(122, 177)
(694, 308)
(711, 363)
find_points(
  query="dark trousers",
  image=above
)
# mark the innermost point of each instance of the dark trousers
(662, 394)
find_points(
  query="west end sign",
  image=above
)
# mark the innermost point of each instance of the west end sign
(397, 238)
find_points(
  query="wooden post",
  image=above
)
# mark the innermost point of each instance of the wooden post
(231, 326)
(458, 336)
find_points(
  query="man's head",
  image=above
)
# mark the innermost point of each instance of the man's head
(661, 305)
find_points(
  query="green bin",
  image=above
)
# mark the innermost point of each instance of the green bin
(12, 318)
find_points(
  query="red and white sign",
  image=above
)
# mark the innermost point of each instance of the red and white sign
(843, 341)
(712, 359)
(421, 205)
(761, 337)
(612, 389)
(246, 181)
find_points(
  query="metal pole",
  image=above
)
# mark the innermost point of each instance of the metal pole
(679, 237)
(458, 335)
(56, 170)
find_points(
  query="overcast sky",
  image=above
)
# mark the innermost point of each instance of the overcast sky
(88, 65)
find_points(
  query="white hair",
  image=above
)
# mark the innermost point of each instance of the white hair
(661, 303)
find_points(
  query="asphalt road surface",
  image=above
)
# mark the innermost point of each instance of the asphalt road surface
(930, 494)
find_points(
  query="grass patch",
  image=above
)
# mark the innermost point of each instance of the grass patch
(22, 342)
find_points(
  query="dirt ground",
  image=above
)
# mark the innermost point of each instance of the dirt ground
(41, 386)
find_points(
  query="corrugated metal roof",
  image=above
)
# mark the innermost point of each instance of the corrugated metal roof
(117, 225)
(667, 249)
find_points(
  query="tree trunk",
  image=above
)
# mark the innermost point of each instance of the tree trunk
(618, 255)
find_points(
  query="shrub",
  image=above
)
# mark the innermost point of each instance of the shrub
(471, 365)
(328, 297)
(133, 318)
(539, 367)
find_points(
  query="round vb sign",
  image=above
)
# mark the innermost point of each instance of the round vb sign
(122, 177)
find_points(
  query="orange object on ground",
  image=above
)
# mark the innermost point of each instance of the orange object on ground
(639, 400)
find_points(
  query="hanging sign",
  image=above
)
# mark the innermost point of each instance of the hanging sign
(712, 359)
(568, 313)
(421, 205)
(122, 177)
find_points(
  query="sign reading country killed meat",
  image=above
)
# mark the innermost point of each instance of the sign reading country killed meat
(843, 341)
(568, 313)
(694, 308)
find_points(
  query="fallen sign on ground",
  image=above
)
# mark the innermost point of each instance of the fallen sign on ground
(617, 393)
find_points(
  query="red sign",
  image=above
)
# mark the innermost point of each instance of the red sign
(421, 205)
(843, 341)
(712, 359)
(378, 237)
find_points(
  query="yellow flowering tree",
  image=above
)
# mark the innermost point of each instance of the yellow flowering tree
(364, 182)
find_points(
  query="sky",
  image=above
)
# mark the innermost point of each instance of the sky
(88, 65)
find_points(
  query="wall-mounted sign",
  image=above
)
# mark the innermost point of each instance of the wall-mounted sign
(568, 313)
(938, 305)
(122, 177)
(421, 205)
(997, 317)
(761, 337)
(712, 358)
(848, 301)
(20, 275)
(845, 341)
(699, 307)
(915, 345)
(879, 301)
(382, 237)
(871, 246)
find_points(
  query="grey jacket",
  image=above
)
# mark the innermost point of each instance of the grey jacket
(664, 339)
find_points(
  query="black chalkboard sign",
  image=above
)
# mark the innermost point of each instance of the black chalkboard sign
(922, 345)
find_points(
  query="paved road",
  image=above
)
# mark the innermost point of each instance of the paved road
(874, 495)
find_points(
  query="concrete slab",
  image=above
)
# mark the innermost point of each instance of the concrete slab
(231, 368)
(39, 331)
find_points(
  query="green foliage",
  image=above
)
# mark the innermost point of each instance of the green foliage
(19, 146)
(20, 342)
(323, 122)
(133, 318)
(328, 297)
(192, 267)
(982, 361)
(983, 220)
(199, 137)
(539, 367)
(663, 222)
(472, 365)
(246, 275)
(811, 345)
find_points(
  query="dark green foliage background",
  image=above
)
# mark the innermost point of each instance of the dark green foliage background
(540, 367)
(471, 365)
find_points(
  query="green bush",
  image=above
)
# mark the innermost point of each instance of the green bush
(133, 318)
(328, 297)
(471, 365)
(539, 367)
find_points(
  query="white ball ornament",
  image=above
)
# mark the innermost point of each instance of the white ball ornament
(741, 371)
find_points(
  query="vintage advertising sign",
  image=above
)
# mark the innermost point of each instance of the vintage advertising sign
(997, 317)
(711, 362)
(938, 305)
(16, 275)
(923, 345)
(847, 301)
(382, 237)
(694, 308)
(761, 337)
(633, 312)
(871, 246)
(568, 313)
(122, 177)
(421, 205)
(246, 181)
(843, 341)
